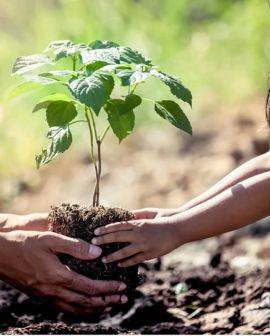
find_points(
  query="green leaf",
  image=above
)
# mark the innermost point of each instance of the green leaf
(60, 73)
(67, 51)
(96, 65)
(57, 44)
(97, 44)
(40, 79)
(92, 91)
(22, 88)
(113, 54)
(64, 48)
(138, 77)
(171, 111)
(45, 101)
(64, 52)
(60, 113)
(121, 120)
(129, 77)
(144, 68)
(105, 66)
(124, 76)
(129, 55)
(132, 101)
(110, 55)
(175, 85)
(61, 139)
(25, 64)
(112, 67)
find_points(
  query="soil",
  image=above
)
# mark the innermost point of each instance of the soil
(211, 299)
(80, 222)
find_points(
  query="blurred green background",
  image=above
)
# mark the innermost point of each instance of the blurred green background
(220, 50)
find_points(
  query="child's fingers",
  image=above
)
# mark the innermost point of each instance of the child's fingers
(116, 237)
(144, 213)
(122, 254)
(139, 214)
(121, 226)
(137, 259)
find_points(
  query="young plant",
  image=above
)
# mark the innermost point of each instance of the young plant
(89, 74)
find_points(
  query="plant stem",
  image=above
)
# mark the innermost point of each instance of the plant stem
(92, 156)
(151, 100)
(98, 170)
(104, 133)
(94, 124)
(98, 141)
(74, 63)
(134, 88)
(77, 121)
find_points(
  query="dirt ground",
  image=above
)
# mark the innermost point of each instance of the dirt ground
(213, 299)
(217, 286)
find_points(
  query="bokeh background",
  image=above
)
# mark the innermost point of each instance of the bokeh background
(220, 50)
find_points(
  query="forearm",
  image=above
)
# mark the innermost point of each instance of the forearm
(240, 205)
(35, 222)
(4, 221)
(5, 255)
(258, 165)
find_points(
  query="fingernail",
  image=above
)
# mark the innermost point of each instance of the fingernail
(122, 287)
(97, 231)
(104, 260)
(124, 299)
(94, 241)
(94, 251)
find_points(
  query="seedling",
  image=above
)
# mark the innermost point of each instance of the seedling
(85, 78)
(89, 75)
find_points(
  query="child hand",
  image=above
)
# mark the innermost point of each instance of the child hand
(148, 239)
(150, 213)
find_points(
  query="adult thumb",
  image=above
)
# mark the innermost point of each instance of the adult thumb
(75, 247)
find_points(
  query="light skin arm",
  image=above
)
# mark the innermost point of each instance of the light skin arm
(240, 205)
(253, 167)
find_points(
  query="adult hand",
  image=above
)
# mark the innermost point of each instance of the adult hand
(31, 222)
(29, 262)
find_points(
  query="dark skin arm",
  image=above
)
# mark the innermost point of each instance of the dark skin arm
(34, 221)
(41, 273)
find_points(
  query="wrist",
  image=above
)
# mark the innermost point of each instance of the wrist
(179, 228)
(175, 225)
(4, 255)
